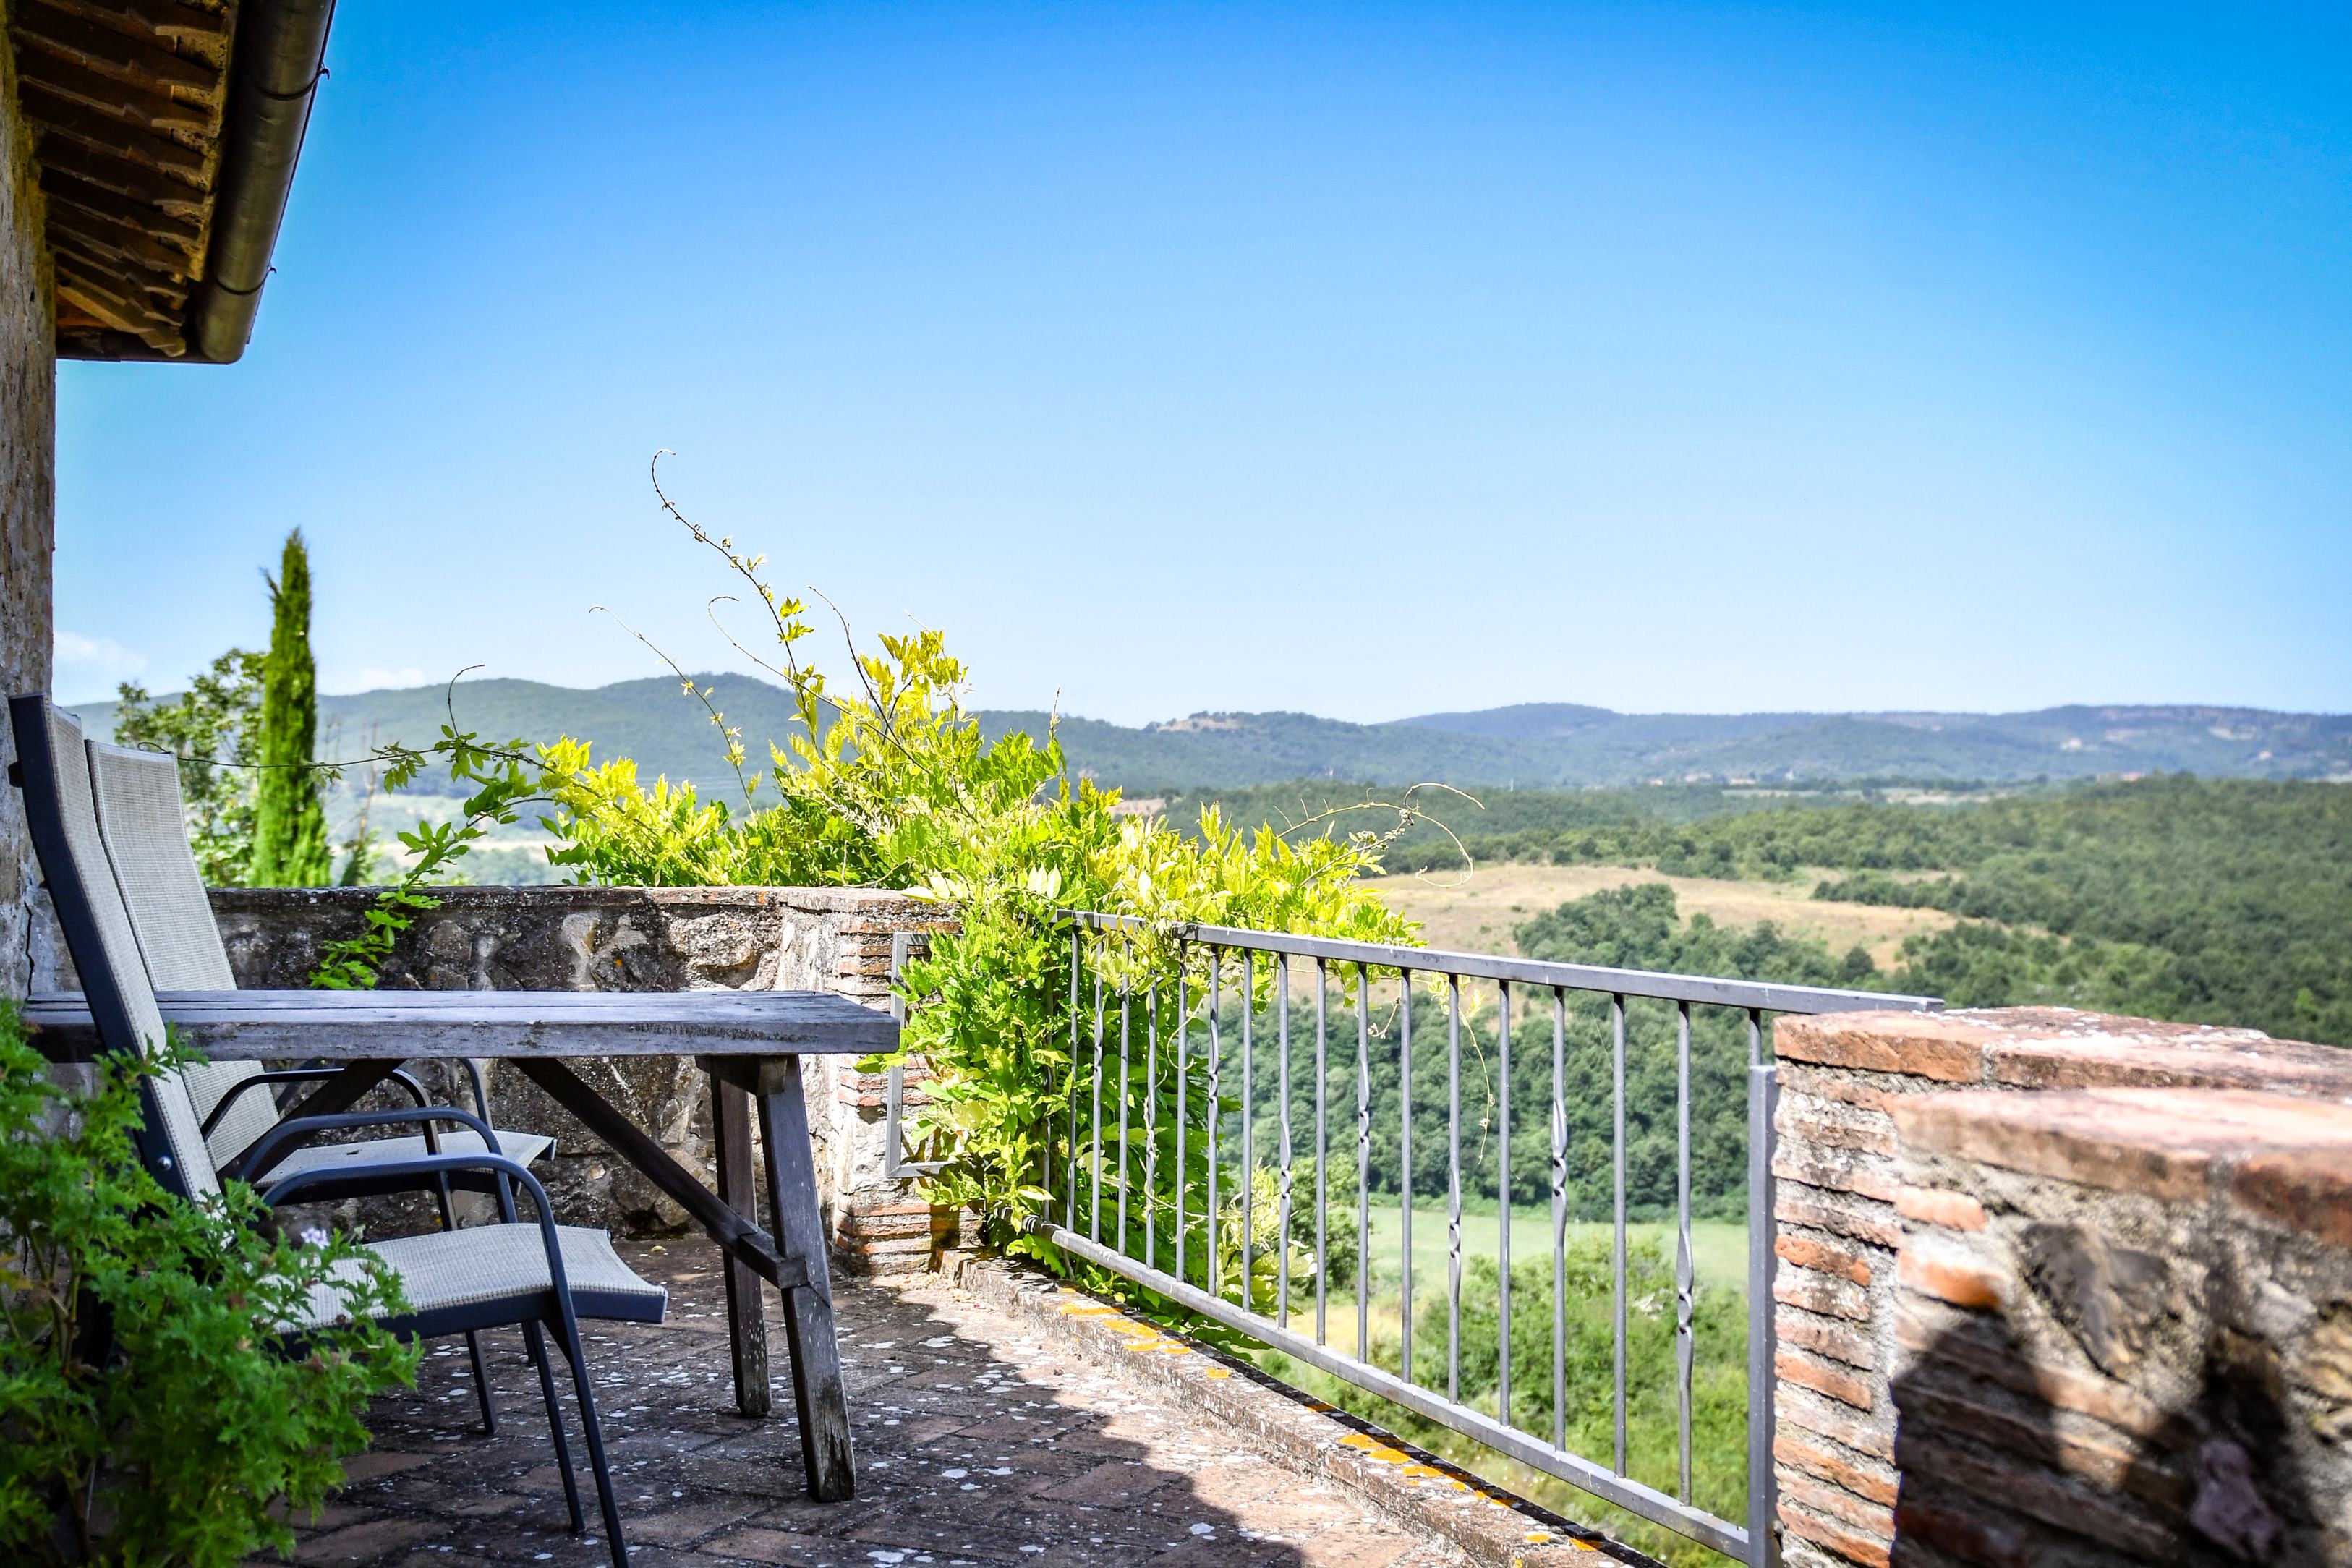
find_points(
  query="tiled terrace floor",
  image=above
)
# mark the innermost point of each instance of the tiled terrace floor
(976, 1443)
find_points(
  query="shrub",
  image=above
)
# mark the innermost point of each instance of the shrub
(150, 1410)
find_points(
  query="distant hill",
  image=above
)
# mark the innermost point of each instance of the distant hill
(1531, 745)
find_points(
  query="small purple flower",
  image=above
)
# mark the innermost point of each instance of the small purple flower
(311, 1236)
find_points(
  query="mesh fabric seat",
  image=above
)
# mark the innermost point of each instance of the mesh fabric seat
(509, 1273)
(453, 1274)
(144, 829)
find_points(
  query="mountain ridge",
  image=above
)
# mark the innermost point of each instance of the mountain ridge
(1527, 745)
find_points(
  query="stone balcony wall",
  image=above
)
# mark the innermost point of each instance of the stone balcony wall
(1846, 1210)
(642, 939)
(2124, 1329)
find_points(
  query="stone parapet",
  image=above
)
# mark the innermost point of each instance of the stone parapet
(2124, 1329)
(643, 939)
(1843, 1208)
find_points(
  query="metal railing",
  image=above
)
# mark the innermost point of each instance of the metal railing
(1171, 1230)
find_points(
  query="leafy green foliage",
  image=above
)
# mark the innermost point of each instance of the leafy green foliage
(2209, 900)
(1719, 1404)
(887, 781)
(205, 1426)
(504, 780)
(213, 728)
(289, 822)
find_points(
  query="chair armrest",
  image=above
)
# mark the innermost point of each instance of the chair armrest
(302, 1075)
(257, 1160)
(439, 1167)
(261, 1080)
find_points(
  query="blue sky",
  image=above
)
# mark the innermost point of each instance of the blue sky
(1359, 360)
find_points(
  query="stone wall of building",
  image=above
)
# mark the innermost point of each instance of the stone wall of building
(2124, 1330)
(1843, 1207)
(27, 513)
(642, 939)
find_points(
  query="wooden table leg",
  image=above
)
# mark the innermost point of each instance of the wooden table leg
(818, 1388)
(747, 1315)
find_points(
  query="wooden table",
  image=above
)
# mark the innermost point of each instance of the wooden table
(749, 1043)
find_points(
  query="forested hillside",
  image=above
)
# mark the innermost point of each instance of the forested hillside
(2215, 900)
(1549, 745)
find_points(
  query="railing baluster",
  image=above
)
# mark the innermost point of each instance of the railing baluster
(1094, 1140)
(1363, 1160)
(1184, 1040)
(1503, 1197)
(1151, 1121)
(1282, 1098)
(1453, 1187)
(1684, 1268)
(1322, 1145)
(1763, 1485)
(1125, 1092)
(1617, 1255)
(1558, 1217)
(1404, 1163)
(1210, 1217)
(1496, 1426)
(1249, 1136)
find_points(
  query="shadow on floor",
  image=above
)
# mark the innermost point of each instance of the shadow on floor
(975, 1444)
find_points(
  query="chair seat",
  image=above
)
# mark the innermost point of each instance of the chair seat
(523, 1147)
(447, 1272)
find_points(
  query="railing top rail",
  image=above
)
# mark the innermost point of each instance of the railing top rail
(1756, 995)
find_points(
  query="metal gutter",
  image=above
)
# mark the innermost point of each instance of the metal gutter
(275, 67)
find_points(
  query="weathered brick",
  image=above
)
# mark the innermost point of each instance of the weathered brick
(1994, 1543)
(1948, 1047)
(1955, 1211)
(1870, 1433)
(2138, 1053)
(1952, 1274)
(1820, 1293)
(1852, 1545)
(1875, 1520)
(1825, 1336)
(2309, 1190)
(1839, 1170)
(2072, 1507)
(2160, 1142)
(1806, 1371)
(2030, 1437)
(1875, 1482)
(1834, 1125)
(1823, 1257)
(2084, 1392)
(1871, 1091)
(1864, 1219)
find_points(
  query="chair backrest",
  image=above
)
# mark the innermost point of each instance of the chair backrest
(144, 828)
(62, 814)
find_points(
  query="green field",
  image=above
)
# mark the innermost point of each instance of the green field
(1719, 1248)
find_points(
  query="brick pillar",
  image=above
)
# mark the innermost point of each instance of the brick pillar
(1841, 1208)
(839, 940)
(2124, 1329)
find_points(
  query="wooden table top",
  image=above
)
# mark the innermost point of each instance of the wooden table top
(356, 1026)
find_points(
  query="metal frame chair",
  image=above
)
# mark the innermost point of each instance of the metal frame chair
(528, 1276)
(143, 824)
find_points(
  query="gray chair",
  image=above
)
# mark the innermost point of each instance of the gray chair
(144, 828)
(523, 1274)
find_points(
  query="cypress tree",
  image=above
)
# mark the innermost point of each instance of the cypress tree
(289, 822)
